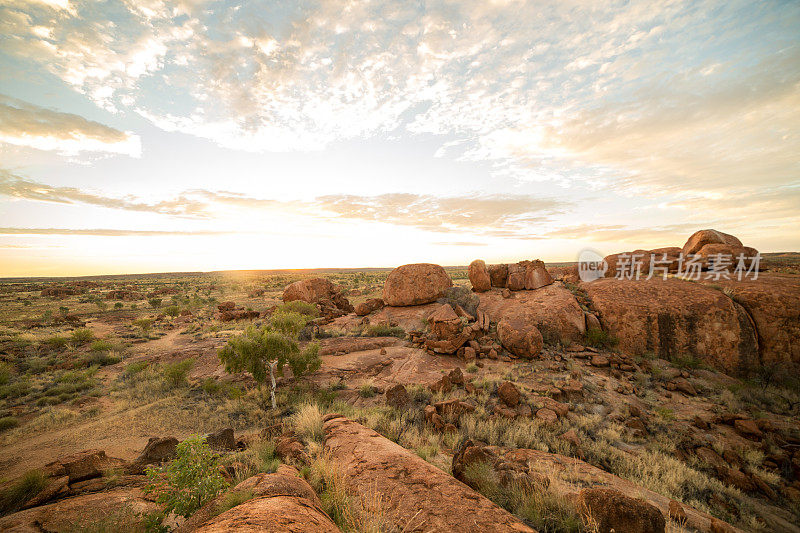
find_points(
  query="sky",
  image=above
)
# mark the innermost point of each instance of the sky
(152, 136)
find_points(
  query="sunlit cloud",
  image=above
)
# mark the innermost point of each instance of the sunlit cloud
(26, 124)
(102, 232)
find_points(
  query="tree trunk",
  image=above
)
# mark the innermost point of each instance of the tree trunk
(272, 380)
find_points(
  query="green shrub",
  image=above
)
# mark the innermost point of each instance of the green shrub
(462, 296)
(366, 390)
(82, 335)
(471, 368)
(172, 310)
(600, 339)
(134, 368)
(57, 341)
(118, 305)
(175, 374)
(384, 330)
(8, 422)
(144, 324)
(101, 345)
(155, 303)
(297, 306)
(25, 488)
(16, 389)
(189, 481)
(5, 374)
(233, 499)
(100, 358)
(211, 386)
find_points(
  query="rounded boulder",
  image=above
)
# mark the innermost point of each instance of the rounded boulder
(415, 284)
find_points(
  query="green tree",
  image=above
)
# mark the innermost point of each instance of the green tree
(189, 481)
(263, 352)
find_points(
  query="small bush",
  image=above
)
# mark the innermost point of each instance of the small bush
(144, 324)
(600, 339)
(28, 486)
(57, 342)
(82, 335)
(8, 422)
(463, 297)
(189, 481)
(172, 310)
(384, 330)
(471, 368)
(5, 374)
(297, 306)
(175, 374)
(134, 368)
(366, 390)
(101, 345)
(101, 358)
(307, 422)
(155, 303)
(233, 499)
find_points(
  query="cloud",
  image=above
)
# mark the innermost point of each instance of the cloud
(445, 214)
(23, 189)
(498, 215)
(25, 124)
(100, 232)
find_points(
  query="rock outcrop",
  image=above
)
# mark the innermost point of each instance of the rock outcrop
(773, 303)
(367, 307)
(708, 236)
(555, 311)
(528, 275)
(418, 496)
(280, 502)
(676, 318)
(415, 284)
(498, 275)
(479, 276)
(322, 292)
(567, 477)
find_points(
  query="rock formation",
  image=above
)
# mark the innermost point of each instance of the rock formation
(415, 284)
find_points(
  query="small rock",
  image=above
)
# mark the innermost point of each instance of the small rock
(509, 394)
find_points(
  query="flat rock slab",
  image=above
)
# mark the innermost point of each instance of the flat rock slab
(80, 513)
(341, 345)
(416, 496)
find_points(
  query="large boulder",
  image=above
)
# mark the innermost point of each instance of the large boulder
(613, 511)
(498, 275)
(773, 303)
(556, 312)
(708, 236)
(479, 276)
(528, 275)
(415, 284)
(416, 496)
(628, 265)
(157, 450)
(673, 318)
(519, 335)
(83, 465)
(725, 257)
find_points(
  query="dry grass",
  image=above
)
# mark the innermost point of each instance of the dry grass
(307, 422)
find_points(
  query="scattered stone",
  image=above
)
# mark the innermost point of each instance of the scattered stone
(367, 307)
(547, 415)
(509, 394)
(600, 361)
(221, 440)
(397, 396)
(748, 428)
(612, 511)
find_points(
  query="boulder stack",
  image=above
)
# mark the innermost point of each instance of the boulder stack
(415, 284)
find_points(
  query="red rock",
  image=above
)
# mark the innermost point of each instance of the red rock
(600, 361)
(498, 275)
(367, 307)
(628, 265)
(157, 450)
(612, 511)
(547, 415)
(453, 408)
(415, 284)
(555, 311)
(519, 335)
(479, 276)
(84, 465)
(282, 501)
(318, 291)
(509, 394)
(676, 512)
(444, 322)
(443, 385)
(748, 428)
(528, 275)
(708, 236)
(672, 318)
(418, 496)
(397, 396)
